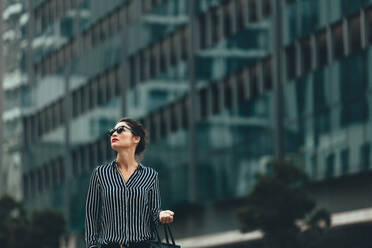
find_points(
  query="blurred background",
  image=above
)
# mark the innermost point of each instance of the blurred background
(224, 87)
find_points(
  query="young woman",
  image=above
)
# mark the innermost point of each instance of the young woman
(123, 198)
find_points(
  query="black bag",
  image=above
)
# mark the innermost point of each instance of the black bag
(168, 234)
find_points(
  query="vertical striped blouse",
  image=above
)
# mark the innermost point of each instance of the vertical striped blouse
(119, 211)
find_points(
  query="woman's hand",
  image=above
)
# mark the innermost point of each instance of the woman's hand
(166, 216)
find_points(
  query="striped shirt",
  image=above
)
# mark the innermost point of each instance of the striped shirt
(119, 211)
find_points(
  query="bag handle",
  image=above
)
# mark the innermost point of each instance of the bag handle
(155, 229)
(167, 226)
(167, 232)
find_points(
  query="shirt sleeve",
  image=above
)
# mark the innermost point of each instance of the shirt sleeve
(92, 209)
(154, 199)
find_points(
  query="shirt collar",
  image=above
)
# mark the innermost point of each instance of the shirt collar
(114, 164)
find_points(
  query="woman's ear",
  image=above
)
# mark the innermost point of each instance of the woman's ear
(137, 139)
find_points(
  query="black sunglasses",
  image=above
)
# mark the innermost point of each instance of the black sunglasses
(118, 130)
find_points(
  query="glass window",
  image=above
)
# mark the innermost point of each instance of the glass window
(290, 56)
(92, 156)
(241, 85)
(95, 34)
(42, 122)
(67, 4)
(112, 24)
(203, 102)
(26, 185)
(253, 81)
(58, 9)
(40, 180)
(117, 80)
(185, 113)
(306, 55)
(59, 62)
(163, 123)
(103, 29)
(61, 112)
(355, 33)
(369, 24)
(314, 166)
(87, 40)
(75, 164)
(350, 6)
(242, 13)
(153, 65)
(290, 22)
(111, 84)
(56, 115)
(321, 98)
(53, 62)
(107, 88)
(203, 31)
(47, 176)
(353, 88)
(82, 94)
(68, 53)
(75, 104)
(43, 66)
(345, 154)
(173, 118)
(354, 112)
(216, 25)
(322, 48)
(83, 157)
(310, 16)
(227, 19)
(110, 153)
(32, 189)
(123, 15)
(252, 7)
(35, 127)
(338, 41)
(330, 165)
(173, 50)
(146, 5)
(215, 99)
(266, 7)
(267, 73)
(142, 65)
(26, 127)
(97, 96)
(61, 166)
(163, 63)
(131, 15)
(184, 43)
(365, 157)
(75, 48)
(101, 90)
(322, 115)
(228, 93)
(100, 153)
(55, 173)
(152, 127)
(51, 120)
(48, 12)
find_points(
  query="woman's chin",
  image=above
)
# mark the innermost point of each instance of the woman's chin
(114, 147)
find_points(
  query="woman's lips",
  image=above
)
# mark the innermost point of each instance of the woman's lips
(114, 140)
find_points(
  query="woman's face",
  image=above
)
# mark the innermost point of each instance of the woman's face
(125, 139)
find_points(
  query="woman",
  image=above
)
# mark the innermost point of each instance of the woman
(123, 198)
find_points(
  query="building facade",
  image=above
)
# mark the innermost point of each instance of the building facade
(14, 44)
(201, 76)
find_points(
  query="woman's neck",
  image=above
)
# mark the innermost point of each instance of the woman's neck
(126, 161)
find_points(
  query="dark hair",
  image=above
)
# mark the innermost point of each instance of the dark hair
(137, 130)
